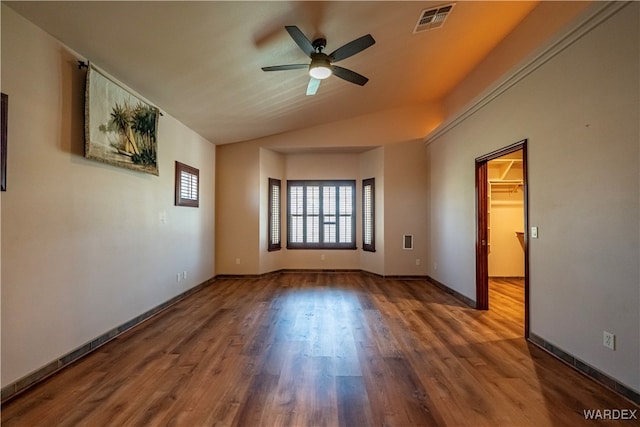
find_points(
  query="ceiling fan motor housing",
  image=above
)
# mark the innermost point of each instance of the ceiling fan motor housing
(319, 44)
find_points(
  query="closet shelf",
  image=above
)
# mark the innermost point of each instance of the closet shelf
(510, 185)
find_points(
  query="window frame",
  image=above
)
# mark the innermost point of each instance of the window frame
(369, 247)
(4, 105)
(193, 173)
(275, 214)
(322, 184)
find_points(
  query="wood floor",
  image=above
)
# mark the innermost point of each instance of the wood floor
(343, 349)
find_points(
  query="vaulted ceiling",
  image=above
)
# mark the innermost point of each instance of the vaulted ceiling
(201, 61)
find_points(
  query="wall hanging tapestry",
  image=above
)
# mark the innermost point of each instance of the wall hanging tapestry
(120, 128)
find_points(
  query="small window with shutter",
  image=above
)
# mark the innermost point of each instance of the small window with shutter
(368, 215)
(274, 215)
(187, 185)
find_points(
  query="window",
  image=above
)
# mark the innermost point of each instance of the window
(4, 104)
(368, 215)
(274, 214)
(187, 185)
(321, 215)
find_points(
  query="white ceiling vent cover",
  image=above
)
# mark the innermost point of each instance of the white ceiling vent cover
(433, 18)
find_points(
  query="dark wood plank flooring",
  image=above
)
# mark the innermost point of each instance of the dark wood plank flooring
(340, 349)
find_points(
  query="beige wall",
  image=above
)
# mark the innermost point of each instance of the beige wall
(83, 245)
(386, 145)
(579, 111)
(400, 170)
(237, 208)
(538, 28)
(506, 258)
(405, 206)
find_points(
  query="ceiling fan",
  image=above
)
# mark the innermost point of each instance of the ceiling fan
(321, 65)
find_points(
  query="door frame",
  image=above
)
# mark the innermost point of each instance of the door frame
(482, 252)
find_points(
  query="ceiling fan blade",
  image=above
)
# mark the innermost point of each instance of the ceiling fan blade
(285, 67)
(313, 86)
(350, 76)
(351, 48)
(300, 39)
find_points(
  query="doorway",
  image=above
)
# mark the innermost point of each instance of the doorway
(501, 193)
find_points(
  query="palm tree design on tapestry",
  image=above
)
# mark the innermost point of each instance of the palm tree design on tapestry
(135, 128)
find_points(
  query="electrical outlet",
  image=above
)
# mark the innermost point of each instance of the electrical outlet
(184, 275)
(178, 277)
(238, 261)
(417, 261)
(609, 340)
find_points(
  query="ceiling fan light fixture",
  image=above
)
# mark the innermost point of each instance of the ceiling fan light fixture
(320, 68)
(321, 64)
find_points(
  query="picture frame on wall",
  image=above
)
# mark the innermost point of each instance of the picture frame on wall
(4, 115)
(120, 128)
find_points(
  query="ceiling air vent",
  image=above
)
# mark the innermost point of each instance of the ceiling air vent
(432, 18)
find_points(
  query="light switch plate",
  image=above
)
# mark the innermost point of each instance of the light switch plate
(534, 232)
